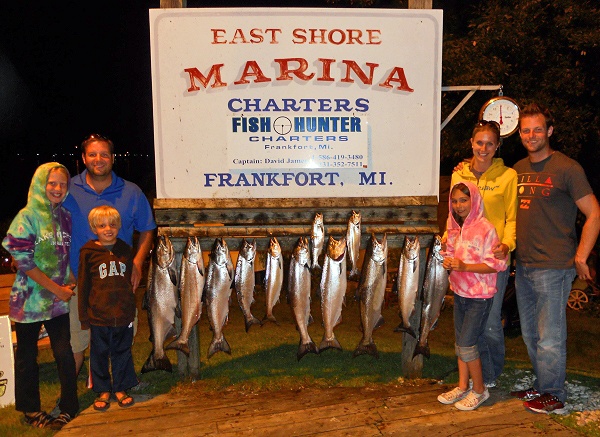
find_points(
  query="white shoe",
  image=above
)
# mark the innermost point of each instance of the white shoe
(452, 396)
(472, 400)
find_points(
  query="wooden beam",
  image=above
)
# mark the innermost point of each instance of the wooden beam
(320, 202)
(420, 4)
(165, 4)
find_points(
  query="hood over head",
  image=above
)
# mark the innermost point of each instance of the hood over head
(36, 197)
(476, 212)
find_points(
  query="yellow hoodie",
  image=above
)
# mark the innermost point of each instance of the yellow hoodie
(498, 189)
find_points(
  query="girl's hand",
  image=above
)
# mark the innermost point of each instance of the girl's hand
(454, 264)
(65, 292)
(500, 251)
(447, 264)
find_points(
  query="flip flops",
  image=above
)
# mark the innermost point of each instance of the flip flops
(124, 400)
(103, 400)
(39, 419)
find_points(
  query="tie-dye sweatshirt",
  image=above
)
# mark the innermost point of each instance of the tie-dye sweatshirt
(39, 236)
(473, 243)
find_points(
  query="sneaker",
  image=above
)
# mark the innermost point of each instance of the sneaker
(452, 396)
(472, 400)
(525, 395)
(545, 403)
(61, 420)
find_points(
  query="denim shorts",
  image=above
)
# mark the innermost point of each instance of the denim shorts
(470, 317)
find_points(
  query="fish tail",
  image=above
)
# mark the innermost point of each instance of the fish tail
(252, 321)
(306, 348)
(157, 364)
(217, 345)
(421, 350)
(332, 343)
(363, 349)
(408, 330)
(269, 318)
(179, 345)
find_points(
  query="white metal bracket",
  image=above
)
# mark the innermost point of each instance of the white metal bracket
(471, 89)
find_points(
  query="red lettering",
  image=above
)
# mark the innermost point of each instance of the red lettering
(314, 36)
(299, 36)
(352, 65)
(285, 71)
(326, 70)
(215, 73)
(374, 36)
(256, 36)
(397, 75)
(352, 38)
(239, 34)
(252, 69)
(273, 35)
(341, 38)
(217, 35)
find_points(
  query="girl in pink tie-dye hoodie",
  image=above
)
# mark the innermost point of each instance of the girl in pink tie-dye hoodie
(473, 269)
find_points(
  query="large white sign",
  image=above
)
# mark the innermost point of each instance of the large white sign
(7, 364)
(276, 103)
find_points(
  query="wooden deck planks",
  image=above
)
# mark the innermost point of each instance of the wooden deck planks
(335, 411)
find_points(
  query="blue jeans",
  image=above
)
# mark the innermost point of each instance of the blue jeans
(542, 300)
(491, 344)
(111, 344)
(470, 316)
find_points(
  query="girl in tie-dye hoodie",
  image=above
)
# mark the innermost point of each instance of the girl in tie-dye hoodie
(473, 268)
(39, 239)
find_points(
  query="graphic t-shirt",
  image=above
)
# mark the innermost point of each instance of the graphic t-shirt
(547, 192)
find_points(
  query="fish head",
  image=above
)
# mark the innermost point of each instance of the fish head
(411, 247)
(247, 250)
(437, 248)
(336, 249)
(379, 250)
(163, 251)
(354, 218)
(220, 252)
(318, 228)
(192, 251)
(301, 252)
(274, 248)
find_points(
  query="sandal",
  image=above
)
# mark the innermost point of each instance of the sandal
(124, 400)
(40, 419)
(102, 402)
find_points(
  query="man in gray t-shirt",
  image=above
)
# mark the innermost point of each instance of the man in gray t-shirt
(551, 187)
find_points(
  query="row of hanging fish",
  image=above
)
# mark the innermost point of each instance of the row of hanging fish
(214, 285)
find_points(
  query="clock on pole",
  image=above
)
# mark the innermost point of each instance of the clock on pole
(503, 110)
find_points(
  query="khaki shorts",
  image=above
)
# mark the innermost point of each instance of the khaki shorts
(80, 338)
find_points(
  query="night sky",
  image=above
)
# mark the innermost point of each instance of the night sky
(68, 69)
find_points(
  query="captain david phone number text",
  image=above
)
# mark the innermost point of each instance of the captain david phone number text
(339, 160)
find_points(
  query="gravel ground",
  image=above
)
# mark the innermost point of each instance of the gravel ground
(581, 398)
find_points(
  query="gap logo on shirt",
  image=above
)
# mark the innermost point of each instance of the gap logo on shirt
(114, 269)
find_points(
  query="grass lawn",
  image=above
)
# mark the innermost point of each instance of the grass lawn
(265, 358)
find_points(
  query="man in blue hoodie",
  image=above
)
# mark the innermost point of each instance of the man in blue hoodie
(99, 185)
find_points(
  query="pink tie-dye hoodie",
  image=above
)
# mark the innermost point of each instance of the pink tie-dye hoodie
(473, 244)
